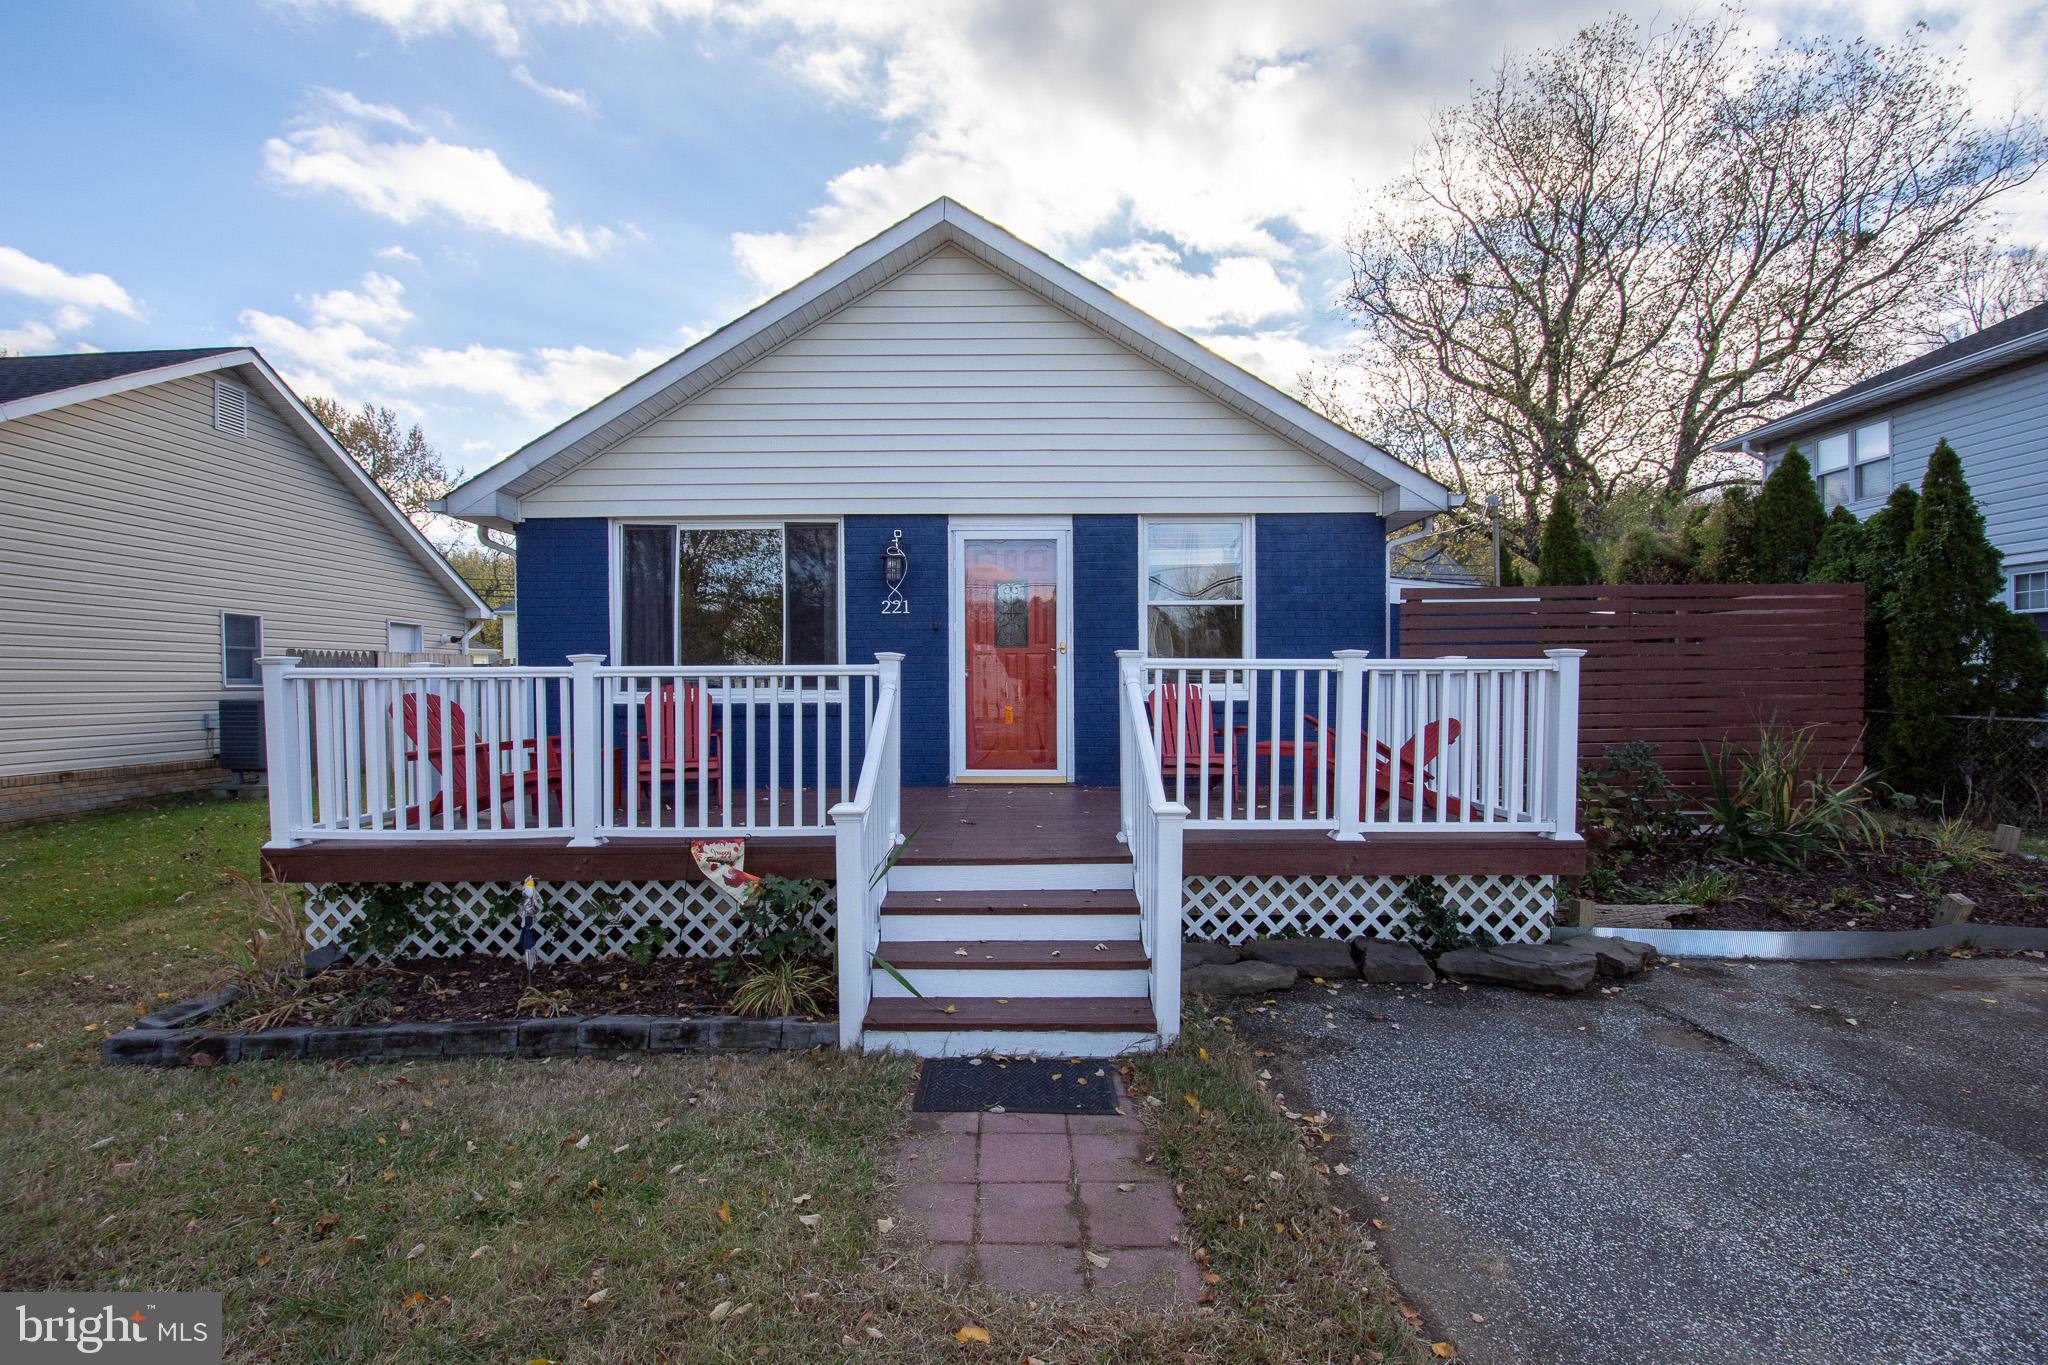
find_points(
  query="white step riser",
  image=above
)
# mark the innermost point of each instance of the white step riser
(967, 928)
(1014, 983)
(1021, 1043)
(1011, 877)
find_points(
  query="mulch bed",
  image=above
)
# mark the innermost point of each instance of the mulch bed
(493, 989)
(1866, 888)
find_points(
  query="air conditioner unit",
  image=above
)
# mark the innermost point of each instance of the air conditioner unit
(241, 735)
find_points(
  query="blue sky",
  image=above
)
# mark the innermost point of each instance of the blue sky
(488, 213)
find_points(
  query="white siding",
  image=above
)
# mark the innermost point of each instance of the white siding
(949, 389)
(1999, 426)
(127, 526)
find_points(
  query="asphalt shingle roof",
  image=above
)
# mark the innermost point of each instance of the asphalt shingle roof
(26, 376)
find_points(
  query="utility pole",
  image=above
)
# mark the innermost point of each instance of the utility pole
(1493, 515)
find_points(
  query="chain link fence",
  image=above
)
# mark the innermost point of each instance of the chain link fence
(1996, 769)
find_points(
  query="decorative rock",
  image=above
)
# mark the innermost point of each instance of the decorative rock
(613, 1033)
(1954, 908)
(1388, 963)
(275, 1045)
(1195, 953)
(1249, 977)
(2005, 839)
(1614, 956)
(801, 1035)
(1324, 957)
(481, 1040)
(1530, 966)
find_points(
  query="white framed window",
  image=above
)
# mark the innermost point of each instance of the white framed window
(1855, 465)
(241, 644)
(727, 593)
(405, 637)
(1195, 587)
(2030, 591)
(230, 407)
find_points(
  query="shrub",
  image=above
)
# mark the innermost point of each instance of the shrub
(1566, 559)
(1789, 521)
(783, 986)
(1707, 886)
(1631, 798)
(1648, 555)
(1727, 536)
(1436, 924)
(1840, 556)
(1775, 806)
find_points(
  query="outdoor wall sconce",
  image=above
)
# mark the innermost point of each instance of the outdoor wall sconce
(895, 567)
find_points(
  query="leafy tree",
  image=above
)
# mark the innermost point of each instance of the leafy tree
(404, 465)
(1840, 556)
(1510, 572)
(1727, 538)
(1789, 521)
(1881, 557)
(1567, 559)
(490, 574)
(1952, 651)
(1625, 250)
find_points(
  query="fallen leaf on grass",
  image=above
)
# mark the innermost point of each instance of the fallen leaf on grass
(885, 1225)
(809, 1220)
(1100, 1262)
(1443, 1350)
(479, 1251)
(277, 1092)
(722, 1311)
(971, 1333)
(725, 1213)
(418, 1249)
(324, 1224)
(597, 1298)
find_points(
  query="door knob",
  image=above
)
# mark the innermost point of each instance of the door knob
(1063, 646)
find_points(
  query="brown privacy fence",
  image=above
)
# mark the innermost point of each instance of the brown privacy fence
(1678, 666)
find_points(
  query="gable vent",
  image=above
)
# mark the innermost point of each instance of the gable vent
(230, 407)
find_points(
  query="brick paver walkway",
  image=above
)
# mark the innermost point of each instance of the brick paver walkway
(1046, 1203)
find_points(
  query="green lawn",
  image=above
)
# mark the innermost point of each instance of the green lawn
(588, 1210)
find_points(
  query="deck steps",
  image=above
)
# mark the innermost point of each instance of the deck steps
(1030, 958)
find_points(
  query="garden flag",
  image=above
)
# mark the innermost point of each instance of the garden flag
(529, 915)
(724, 864)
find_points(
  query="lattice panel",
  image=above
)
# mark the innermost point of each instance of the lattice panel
(589, 921)
(1235, 909)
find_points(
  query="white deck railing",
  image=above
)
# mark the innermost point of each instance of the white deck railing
(1358, 746)
(867, 829)
(584, 752)
(1152, 824)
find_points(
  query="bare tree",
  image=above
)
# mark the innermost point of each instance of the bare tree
(403, 463)
(1989, 283)
(1621, 252)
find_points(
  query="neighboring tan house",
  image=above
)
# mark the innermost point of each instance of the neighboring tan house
(1987, 396)
(167, 517)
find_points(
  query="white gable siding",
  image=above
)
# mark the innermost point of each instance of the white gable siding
(949, 389)
(129, 525)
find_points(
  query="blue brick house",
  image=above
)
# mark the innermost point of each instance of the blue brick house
(1042, 635)
(1062, 476)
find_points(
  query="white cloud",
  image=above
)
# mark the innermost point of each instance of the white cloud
(574, 99)
(21, 273)
(397, 253)
(1238, 291)
(30, 338)
(348, 344)
(490, 20)
(409, 178)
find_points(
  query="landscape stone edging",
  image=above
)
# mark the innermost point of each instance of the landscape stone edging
(1819, 945)
(147, 1044)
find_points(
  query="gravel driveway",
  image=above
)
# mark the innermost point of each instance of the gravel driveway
(1837, 1162)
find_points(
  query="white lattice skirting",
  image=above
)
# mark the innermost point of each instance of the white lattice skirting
(1235, 909)
(581, 921)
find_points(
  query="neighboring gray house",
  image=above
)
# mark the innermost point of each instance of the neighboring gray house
(168, 516)
(1987, 396)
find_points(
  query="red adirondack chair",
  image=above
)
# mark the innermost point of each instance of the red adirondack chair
(495, 783)
(678, 746)
(1396, 775)
(1187, 742)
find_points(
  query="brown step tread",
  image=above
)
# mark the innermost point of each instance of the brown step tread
(1019, 953)
(1010, 902)
(1037, 1013)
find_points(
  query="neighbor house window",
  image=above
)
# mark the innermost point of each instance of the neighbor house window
(405, 637)
(1854, 466)
(729, 595)
(2030, 591)
(1197, 588)
(241, 643)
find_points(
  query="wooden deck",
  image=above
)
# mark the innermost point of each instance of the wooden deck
(951, 825)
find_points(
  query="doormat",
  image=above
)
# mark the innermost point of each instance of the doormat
(981, 1085)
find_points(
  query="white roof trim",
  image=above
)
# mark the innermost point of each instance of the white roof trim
(309, 428)
(491, 496)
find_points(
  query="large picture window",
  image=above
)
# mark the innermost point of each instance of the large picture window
(729, 595)
(1197, 589)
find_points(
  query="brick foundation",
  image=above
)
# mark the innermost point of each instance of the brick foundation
(29, 797)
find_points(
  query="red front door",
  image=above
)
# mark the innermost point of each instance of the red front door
(1012, 604)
